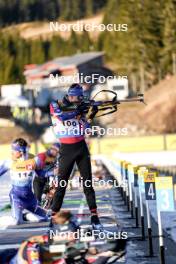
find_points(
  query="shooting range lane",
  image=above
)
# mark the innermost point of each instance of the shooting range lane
(112, 211)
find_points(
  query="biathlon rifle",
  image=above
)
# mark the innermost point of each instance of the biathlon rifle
(91, 107)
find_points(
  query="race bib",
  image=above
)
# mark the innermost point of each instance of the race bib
(22, 176)
(68, 128)
(22, 173)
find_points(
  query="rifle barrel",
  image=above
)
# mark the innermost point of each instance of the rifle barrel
(137, 99)
(131, 100)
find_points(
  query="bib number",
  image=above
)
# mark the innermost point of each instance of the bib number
(22, 176)
(70, 123)
(68, 128)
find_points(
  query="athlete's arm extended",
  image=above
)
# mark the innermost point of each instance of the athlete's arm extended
(4, 167)
(62, 115)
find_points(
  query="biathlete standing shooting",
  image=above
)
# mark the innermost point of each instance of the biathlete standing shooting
(69, 127)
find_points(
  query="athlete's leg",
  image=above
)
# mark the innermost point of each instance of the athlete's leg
(84, 166)
(17, 209)
(38, 213)
(66, 163)
(38, 186)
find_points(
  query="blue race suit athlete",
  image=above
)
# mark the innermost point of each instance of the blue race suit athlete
(22, 168)
(48, 159)
(69, 127)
